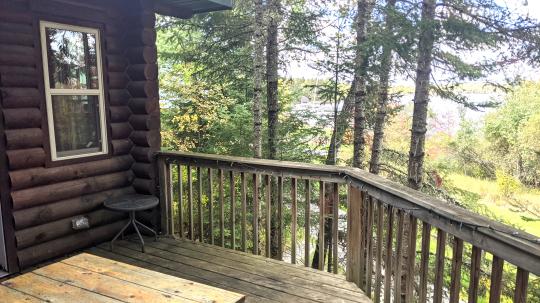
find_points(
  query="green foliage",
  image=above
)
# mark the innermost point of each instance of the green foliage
(506, 184)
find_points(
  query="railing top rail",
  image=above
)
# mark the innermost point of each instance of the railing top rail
(513, 245)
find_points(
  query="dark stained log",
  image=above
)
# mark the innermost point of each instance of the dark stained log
(116, 63)
(15, 26)
(140, 72)
(113, 43)
(146, 138)
(69, 10)
(522, 283)
(120, 130)
(117, 80)
(62, 246)
(22, 118)
(496, 280)
(26, 158)
(140, 36)
(24, 138)
(143, 170)
(54, 230)
(66, 208)
(65, 190)
(16, 39)
(19, 80)
(142, 154)
(20, 97)
(143, 89)
(119, 114)
(142, 19)
(121, 147)
(17, 55)
(142, 54)
(144, 105)
(145, 122)
(119, 97)
(144, 186)
(19, 70)
(24, 18)
(33, 177)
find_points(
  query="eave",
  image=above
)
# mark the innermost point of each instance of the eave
(185, 9)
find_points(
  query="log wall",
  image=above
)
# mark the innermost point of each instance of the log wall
(39, 197)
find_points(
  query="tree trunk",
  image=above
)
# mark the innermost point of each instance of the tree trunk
(272, 57)
(421, 95)
(363, 17)
(258, 76)
(386, 67)
(343, 119)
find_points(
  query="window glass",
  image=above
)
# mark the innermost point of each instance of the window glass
(72, 59)
(76, 125)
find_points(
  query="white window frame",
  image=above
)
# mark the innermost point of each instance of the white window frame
(50, 92)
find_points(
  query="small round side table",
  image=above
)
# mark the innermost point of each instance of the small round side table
(132, 204)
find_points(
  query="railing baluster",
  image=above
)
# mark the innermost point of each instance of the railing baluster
(335, 226)
(321, 224)
(379, 253)
(474, 280)
(411, 259)
(244, 210)
(180, 202)
(522, 283)
(233, 209)
(255, 214)
(167, 223)
(369, 245)
(354, 225)
(221, 209)
(424, 262)
(280, 217)
(268, 222)
(388, 261)
(457, 261)
(201, 213)
(496, 280)
(307, 228)
(439, 266)
(399, 257)
(294, 217)
(362, 235)
(190, 203)
(211, 203)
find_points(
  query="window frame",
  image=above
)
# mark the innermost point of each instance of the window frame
(50, 92)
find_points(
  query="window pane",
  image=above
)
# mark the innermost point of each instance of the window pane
(72, 59)
(76, 125)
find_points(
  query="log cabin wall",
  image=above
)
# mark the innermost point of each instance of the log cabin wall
(42, 197)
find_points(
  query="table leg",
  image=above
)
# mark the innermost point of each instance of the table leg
(147, 228)
(120, 233)
(132, 215)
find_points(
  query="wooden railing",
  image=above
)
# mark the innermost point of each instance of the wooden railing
(396, 244)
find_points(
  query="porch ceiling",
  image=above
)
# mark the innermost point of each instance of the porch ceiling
(187, 8)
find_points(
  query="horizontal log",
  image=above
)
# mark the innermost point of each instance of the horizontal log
(144, 186)
(19, 118)
(36, 196)
(16, 15)
(33, 177)
(54, 230)
(18, 80)
(19, 70)
(113, 44)
(66, 208)
(59, 247)
(25, 158)
(119, 97)
(70, 10)
(142, 154)
(141, 72)
(121, 147)
(119, 114)
(143, 89)
(24, 138)
(140, 37)
(17, 55)
(146, 138)
(20, 97)
(117, 80)
(16, 27)
(116, 63)
(142, 55)
(142, 19)
(144, 105)
(16, 39)
(145, 122)
(120, 130)
(144, 170)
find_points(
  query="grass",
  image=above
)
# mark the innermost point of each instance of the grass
(499, 205)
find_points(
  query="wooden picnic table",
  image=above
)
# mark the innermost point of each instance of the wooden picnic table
(89, 278)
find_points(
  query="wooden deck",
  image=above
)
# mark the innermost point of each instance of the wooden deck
(259, 278)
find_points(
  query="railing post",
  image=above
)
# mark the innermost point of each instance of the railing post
(354, 236)
(167, 225)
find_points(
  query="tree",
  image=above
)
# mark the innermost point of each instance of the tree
(258, 75)
(272, 77)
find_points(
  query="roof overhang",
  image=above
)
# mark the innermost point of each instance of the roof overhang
(185, 9)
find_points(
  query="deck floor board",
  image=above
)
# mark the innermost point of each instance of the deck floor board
(260, 279)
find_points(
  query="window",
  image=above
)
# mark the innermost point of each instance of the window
(73, 90)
